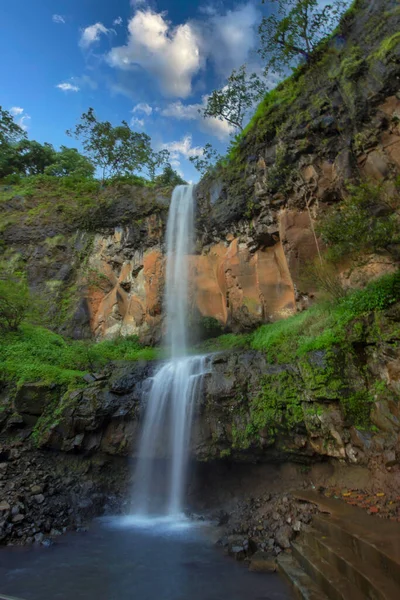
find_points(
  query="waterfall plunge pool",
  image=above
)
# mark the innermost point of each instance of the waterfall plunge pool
(120, 559)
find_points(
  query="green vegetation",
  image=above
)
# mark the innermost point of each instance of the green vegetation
(317, 358)
(296, 29)
(35, 354)
(322, 327)
(236, 98)
(366, 221)
(117, 150)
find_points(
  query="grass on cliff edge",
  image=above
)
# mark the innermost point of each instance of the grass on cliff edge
(37, 354)
(322, 326)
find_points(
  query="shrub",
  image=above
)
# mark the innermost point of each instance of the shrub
(366, 221)
(324, 277)
(14, 302)
(37, 354)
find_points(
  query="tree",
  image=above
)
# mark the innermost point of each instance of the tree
(169, 178)
(365, 222)
(68, 161)
(295, 30)
(155, 161)
(33, 157)
(14, 302)
(10, 132)
(10, 135)
(205, 161)
(114, 150)
(236, 98)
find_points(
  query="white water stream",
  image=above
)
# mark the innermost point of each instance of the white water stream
(175, 386)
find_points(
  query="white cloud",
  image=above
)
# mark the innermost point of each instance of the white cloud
(193, 112)
(117, 21)
(170, 54)
(67, 87)
(174, 55)
(178, 110)
(91, 34)
(137, 122)
(182, 148)
(23, 119)
(58, 19)
(229, 38)
(16, 110)
(143, 107)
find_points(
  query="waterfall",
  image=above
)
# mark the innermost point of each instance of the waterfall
(175, 386)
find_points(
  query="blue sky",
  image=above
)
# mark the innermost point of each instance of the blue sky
(150, 63)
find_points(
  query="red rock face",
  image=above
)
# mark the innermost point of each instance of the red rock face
(228, 283)
(240, 288)
(238, 280)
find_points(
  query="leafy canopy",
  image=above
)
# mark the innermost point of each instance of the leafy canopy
(10, 132)
(68, 161)
(295, 29)
(115, 150)
(206, 160)
(169, 177)
(236, 98)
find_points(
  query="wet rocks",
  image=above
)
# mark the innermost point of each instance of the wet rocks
(44, 494)
(261, 528)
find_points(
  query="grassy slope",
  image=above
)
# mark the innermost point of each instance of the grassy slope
(37, 354)
(321, 327)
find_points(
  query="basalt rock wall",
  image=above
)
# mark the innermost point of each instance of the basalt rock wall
(257, 215)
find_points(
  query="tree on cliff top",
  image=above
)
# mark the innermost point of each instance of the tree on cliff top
(169, 177)
(68, 161)
(10, 131)
(236, 98)
(114, 150)
(295, 29)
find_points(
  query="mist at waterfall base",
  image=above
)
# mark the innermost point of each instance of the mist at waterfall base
(166, 427)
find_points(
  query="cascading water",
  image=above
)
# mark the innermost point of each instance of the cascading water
(175, 386)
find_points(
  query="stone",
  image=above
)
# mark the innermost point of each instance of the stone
(39, 498)
(238, 552)
(18, 518)
(47, 542)
(38, 537)
(261, 562)
(36, 489)
(283, 536)
(31, 398)
(4, 506)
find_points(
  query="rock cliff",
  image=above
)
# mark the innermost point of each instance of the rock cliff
(335, 123)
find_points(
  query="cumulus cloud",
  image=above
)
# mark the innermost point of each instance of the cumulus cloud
(193, 112)
(170, 54)
(117, 21)
(143, 107)
(182, 148)
(174, 55)
(16, 110)
(67, 87)
(23, 119)
(229, 38)
(92, 34)
(58, 19)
